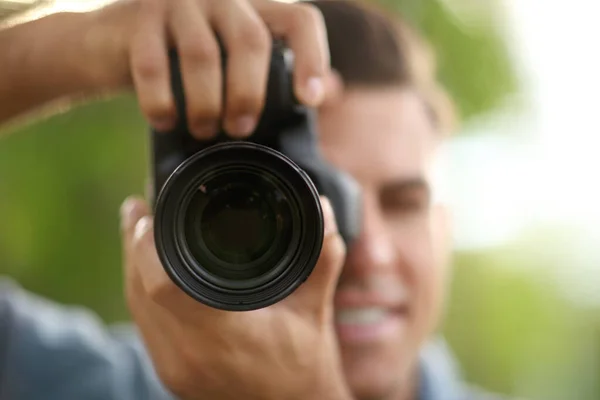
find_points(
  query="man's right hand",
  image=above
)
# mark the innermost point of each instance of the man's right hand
(147, 28)
(288, 350)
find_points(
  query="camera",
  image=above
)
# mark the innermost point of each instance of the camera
(238, 223)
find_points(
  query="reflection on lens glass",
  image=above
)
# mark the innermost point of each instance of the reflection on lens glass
(238, 224)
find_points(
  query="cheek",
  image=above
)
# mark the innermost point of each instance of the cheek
(422, 252)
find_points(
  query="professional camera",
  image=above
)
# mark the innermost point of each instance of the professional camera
(238, 223)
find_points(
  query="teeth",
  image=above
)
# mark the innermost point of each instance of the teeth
(361, 316)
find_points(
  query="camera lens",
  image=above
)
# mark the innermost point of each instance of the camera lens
(238, 226)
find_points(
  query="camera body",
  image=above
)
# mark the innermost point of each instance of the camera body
(217, 202)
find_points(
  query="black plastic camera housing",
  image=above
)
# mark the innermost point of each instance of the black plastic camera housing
(238, 223)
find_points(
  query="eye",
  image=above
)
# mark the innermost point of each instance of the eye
(405, 202)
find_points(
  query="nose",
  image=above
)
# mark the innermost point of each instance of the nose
(373, 250)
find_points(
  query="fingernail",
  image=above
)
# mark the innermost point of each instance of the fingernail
(126, 211)
(244, 125)
(142, 227)
(314, 90)
(328, 216)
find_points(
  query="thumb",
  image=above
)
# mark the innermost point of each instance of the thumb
(318, 290)
(132, 210)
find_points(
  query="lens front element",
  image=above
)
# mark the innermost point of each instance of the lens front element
(238, 226)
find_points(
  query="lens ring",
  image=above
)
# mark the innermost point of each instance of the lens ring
(301, 258)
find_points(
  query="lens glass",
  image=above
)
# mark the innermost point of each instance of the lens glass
(238, 224)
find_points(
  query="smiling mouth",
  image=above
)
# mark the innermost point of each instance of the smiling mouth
(361, 315)
(356, 325)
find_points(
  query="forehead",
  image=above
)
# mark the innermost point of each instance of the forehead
(379, 135)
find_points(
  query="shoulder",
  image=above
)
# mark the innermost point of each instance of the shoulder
(441, 377)
(476, 393)
(46, 343)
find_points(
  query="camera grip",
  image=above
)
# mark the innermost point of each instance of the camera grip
(299, 142)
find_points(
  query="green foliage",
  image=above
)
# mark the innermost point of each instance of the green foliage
(61, 183)
(474, 62)
(513, 330)
(498, 318)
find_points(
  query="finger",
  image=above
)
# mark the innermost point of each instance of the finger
(158, 285)
(156, 327)
(132, 210)
(133, 213)
(150, 67)
(318, 290)
(248, 44)
(324, 277)
(303, 28)
(200, 63)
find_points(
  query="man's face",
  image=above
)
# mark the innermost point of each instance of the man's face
(391, 289)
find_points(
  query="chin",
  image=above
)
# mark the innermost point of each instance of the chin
(378, 372)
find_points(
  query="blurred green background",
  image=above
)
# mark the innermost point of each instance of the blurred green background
(62, 180)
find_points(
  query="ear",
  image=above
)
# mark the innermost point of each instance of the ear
(334, 88)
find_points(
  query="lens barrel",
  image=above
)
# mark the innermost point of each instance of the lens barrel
(238, 226)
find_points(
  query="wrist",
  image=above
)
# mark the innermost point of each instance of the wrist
(62, 56)
(88, 55)
(45, 56)
(105, 43)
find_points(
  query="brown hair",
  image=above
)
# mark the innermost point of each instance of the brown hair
(371, 47)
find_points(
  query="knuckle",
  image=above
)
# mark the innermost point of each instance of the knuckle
(306, 16)
(254, 37)
(147, 68)
(312, 14)
(199, 51)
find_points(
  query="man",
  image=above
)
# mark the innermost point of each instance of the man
(360, 327)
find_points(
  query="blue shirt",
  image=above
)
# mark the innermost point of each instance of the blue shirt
(54, 352)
